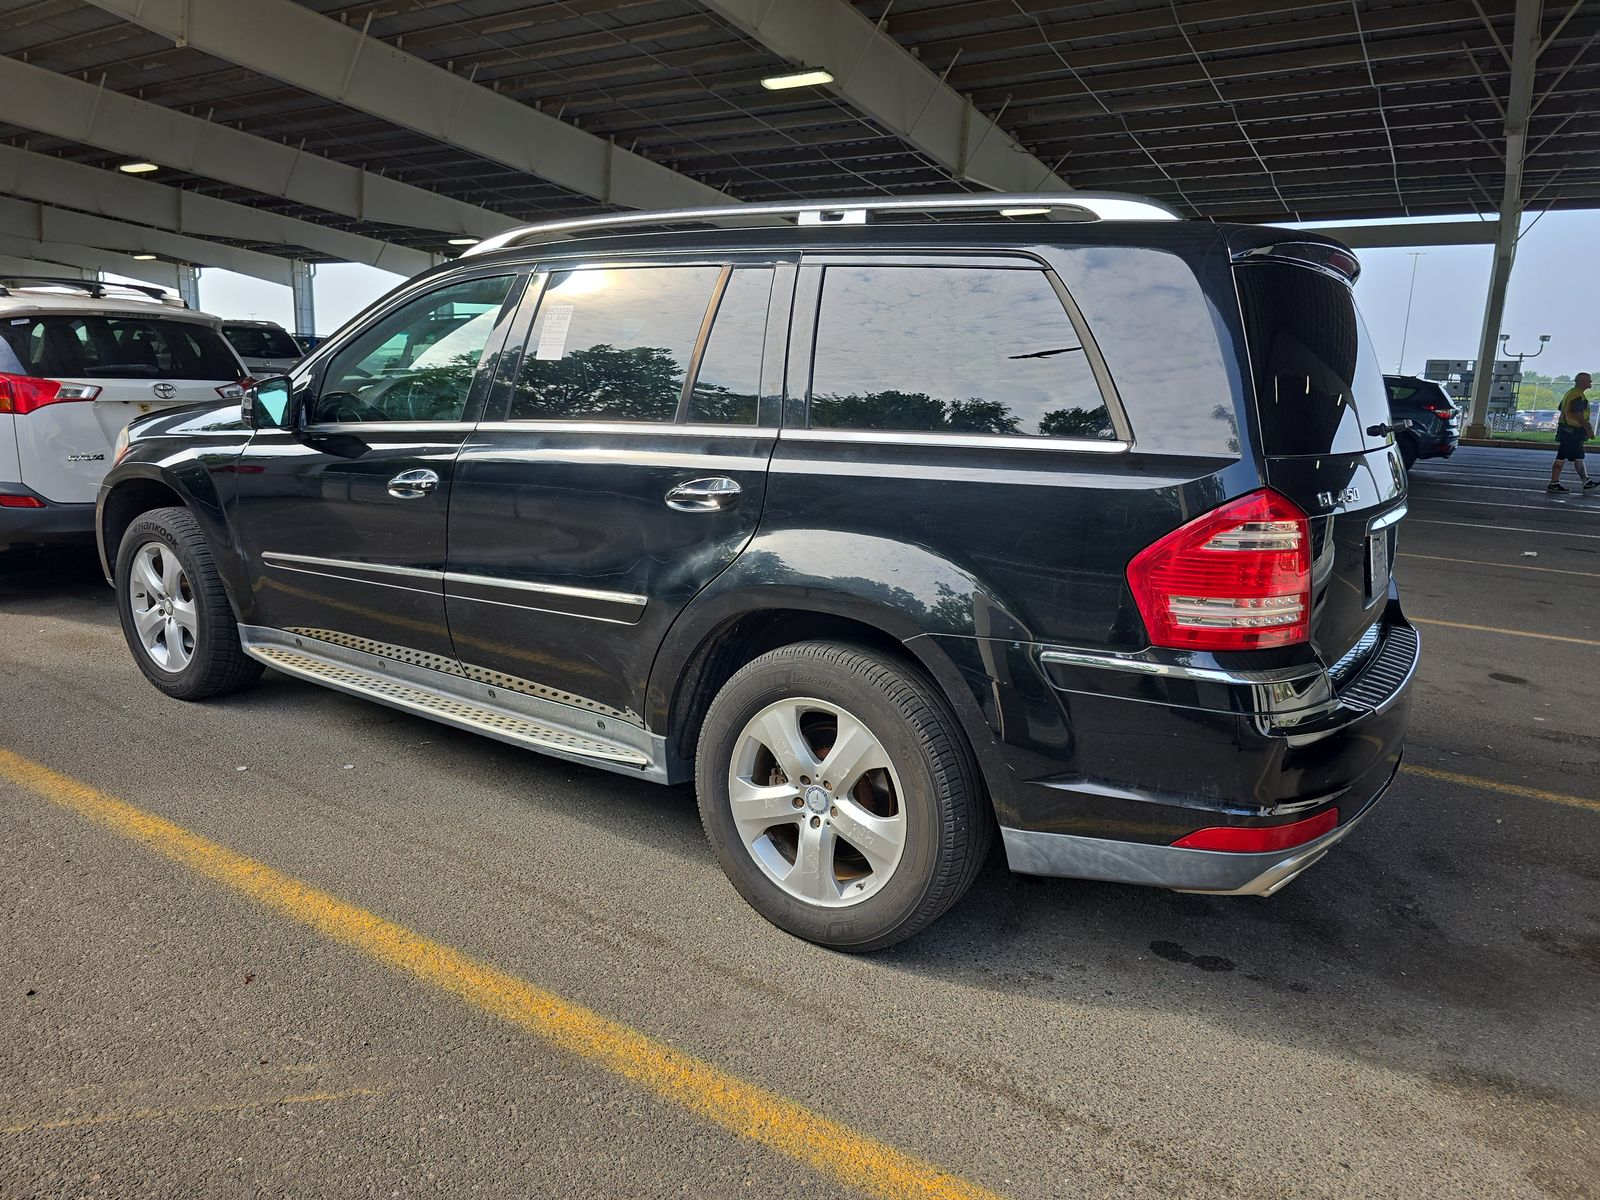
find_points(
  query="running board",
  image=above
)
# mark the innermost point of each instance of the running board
(441, 697)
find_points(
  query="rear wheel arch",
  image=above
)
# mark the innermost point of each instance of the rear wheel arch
(126, 503)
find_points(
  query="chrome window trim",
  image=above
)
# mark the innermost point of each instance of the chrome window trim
(912, 437)
(549, 589)
(547, 425)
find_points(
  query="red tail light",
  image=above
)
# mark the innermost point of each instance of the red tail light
(1236, 578)
(1261, 838)
(20, 502)
(21, 394)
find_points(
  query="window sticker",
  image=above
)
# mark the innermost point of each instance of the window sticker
(553, 333)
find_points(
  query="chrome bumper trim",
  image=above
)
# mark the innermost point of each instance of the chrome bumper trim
(1217, 872)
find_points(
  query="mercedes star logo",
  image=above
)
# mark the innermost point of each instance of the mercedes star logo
(164, 391)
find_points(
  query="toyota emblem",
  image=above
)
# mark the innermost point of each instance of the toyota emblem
(164, 391)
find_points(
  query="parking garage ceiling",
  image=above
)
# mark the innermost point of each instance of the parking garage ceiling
(434, 115)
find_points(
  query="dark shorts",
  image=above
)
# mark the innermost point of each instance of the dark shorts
(1569, 444)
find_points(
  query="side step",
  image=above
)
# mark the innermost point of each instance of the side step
(438, 704)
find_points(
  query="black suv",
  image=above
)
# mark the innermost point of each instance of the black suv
(887, 535)
(1432, 432)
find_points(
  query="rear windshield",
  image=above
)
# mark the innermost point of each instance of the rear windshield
(253, 342)
(1318, 383)
(1417, 391)
(111, 347)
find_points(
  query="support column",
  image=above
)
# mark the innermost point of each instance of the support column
(305, 312)
(1519, 107)
(189, 284)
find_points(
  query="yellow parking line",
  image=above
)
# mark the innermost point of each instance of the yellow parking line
(203, 1110)
(1478, 562)
(1510, 789)
(742, 1108)
(1545, 637)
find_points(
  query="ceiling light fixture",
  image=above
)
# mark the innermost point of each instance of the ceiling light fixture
(464, 241)
(138, 168)
(777, 83)
(144, 258)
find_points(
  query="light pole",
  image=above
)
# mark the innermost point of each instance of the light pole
(1516, 387)
(1400, 367)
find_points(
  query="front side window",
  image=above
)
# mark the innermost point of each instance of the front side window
(417, 362)
(951, 350)
(612, 344)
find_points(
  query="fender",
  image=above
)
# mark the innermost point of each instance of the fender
(201, 473)
(939, 612)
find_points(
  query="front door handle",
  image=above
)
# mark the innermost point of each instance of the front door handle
(704, 495)
(412, 485)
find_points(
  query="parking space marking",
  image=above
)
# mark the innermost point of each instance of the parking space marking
(1498, 504)
(1478, 562)
(1543, 637)
(742, 1108)
(1510, 789)
(200, 1110)
(1502, 528)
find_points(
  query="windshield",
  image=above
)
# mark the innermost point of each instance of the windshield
(253, 341)
(1319, 387)
(117, 347)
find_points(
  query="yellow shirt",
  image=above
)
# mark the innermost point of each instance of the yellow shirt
(1575, 409)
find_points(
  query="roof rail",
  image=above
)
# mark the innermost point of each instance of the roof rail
(1072, 206)
(95, 288)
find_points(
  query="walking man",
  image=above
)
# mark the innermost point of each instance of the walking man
(1573, 428)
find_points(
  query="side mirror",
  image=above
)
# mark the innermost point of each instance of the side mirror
(269, 404)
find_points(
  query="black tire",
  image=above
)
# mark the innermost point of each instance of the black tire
(218, 664)
(948, 824)
(1408, 452)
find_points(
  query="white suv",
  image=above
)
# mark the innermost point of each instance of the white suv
(79, 359)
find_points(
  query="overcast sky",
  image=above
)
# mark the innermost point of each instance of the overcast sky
(1554, 290)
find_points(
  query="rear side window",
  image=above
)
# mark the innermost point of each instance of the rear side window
(118, 347)
(728, 385)
(1319, 386)
(951, 350)
(612, 344)
(252, 341)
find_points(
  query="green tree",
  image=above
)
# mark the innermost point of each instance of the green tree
(601, 382)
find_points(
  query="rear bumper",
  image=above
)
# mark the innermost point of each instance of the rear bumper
(1211, 871)
(1100, 766)
(40, 526)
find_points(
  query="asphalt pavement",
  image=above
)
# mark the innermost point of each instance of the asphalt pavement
(292, 943)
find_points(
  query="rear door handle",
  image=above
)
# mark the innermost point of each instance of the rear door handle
(412, 485)
(712, 494)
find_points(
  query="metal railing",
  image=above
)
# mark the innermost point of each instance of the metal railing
(1070, 206)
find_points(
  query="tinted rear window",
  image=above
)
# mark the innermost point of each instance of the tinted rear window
(1318, 383)
(109, 347)
(253, 342)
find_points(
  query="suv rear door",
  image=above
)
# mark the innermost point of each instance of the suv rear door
(1322, 416)
(621, 466)
(138, 362)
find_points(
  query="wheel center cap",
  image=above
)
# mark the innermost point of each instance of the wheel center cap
(817, 799)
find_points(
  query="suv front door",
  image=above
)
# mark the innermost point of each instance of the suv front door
(342, 519)
(620, 468)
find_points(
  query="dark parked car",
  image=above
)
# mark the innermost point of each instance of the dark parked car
(889, 535)
(1433, 432)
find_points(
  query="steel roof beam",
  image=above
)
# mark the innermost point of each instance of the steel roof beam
(1431, 233)
(288, 41)
(40, 222)
(882, 80)
(10, 265)
(91, 258)
(69, 108)
(1525, 40)
(112, 194)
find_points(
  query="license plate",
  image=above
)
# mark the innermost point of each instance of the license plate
(1377, 564)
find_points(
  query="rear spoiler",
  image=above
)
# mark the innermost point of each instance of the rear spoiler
(1326, 256)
